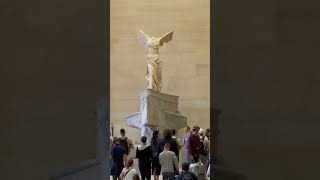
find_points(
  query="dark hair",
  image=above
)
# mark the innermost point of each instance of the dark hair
(196, 127)
(207, 132)
(143, 139)
(173, 131)
(117, 140)
(114, 140)
(129, 163)
(135, 177)
(122, 131)
(185, 166)
(155, 133)
(188, 127)
(167, 134)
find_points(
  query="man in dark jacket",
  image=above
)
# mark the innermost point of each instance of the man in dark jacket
(119, 157)
(144, 154)
(167, 138)
(167, 135)
(185, 174)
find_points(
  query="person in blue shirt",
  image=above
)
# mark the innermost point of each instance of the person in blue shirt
(186, 145)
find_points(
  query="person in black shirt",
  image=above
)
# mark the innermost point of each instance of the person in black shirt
(185, 173)
(119, 157)
(167, 134)
(126, 142)
(156, 167)
(144, 154)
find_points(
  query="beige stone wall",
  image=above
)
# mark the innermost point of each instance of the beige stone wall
(186, 59)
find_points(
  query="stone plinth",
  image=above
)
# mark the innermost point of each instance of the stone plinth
(157, 111)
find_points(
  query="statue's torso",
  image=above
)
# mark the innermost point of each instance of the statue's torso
(153, 50)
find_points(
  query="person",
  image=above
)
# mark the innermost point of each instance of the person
(177, 140)
(167, 138)
(144, 154)
(194, 142)
(185, 173)
(156, 167)
(185, 144)
(173, 145)
(169, 163)
(204, 147)
(118, 154)
(125, 141)
(128, 172)
(198, 168)
(112, 145)
(207, 133)
(173, 131)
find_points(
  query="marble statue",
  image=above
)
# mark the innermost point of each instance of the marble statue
(154, 65)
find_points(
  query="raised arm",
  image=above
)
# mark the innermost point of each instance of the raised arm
(142, 37)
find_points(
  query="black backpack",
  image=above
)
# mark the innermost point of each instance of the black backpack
(124, 143)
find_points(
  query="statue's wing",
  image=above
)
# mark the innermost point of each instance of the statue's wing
(166, 38)
(143, 37)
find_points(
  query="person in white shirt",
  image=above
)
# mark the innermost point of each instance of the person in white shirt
(198, 168)
(128, 172)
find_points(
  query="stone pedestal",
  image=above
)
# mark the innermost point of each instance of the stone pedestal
(157, 111)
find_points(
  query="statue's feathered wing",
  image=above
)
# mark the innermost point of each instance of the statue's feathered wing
(166, 38)
(142, 37)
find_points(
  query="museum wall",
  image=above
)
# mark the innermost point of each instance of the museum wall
(52, 72)
(186, 59)
(266, 82)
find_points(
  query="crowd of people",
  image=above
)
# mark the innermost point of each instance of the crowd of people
(161, 156)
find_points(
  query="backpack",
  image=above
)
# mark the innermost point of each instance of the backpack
(187, 176)
(124, 143)
(154, 147)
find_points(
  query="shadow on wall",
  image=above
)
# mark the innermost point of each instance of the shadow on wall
(98, 168)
